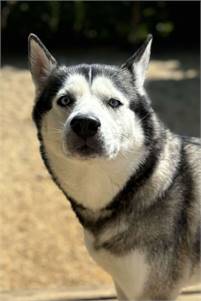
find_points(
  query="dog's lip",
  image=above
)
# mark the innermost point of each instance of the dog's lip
(86, 150)
(86, 145)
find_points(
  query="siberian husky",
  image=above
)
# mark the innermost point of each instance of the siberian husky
(134, 185)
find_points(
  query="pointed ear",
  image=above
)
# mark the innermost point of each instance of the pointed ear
(40, 60)
(138, 63)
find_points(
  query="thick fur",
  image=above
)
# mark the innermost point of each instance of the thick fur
(137, 192)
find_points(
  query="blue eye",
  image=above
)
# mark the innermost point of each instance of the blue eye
(65, 101)
(114, 103)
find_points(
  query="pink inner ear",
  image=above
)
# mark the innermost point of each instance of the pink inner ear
(41, 65)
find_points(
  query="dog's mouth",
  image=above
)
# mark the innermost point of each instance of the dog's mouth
(85, 149)
(87, 152)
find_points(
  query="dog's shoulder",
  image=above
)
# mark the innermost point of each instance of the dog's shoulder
(192, 147)
(192, 140)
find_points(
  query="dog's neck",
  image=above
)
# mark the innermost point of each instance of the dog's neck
(93, 183)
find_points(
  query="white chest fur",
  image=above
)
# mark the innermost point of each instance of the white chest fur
(129, 272)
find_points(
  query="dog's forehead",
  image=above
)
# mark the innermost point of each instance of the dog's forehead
(104, 86)
(76, 84)
(100, 81)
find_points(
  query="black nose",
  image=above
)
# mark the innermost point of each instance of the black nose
(85, 126)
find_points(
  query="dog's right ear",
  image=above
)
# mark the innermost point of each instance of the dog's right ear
(40, 60)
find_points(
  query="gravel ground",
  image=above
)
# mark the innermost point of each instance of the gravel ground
(41, 243)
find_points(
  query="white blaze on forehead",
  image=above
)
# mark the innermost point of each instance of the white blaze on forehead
(90, 74)
(104, 87)
(75, 84)
(101, 87)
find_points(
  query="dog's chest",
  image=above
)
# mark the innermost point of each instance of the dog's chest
(92, 185)
(129, 271)
(91, 188)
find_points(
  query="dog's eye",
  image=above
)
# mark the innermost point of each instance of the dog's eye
(65, 101)
(114, 103)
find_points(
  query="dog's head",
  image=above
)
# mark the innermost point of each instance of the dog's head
(89, 111)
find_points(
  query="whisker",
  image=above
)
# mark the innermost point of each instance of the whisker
(61, 123)
(55, 130)
(140, 120)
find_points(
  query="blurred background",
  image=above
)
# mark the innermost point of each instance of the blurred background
(41, 240)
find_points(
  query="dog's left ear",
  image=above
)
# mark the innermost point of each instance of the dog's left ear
(40, 60)
(138, 63)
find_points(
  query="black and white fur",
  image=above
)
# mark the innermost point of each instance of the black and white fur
(133, 184)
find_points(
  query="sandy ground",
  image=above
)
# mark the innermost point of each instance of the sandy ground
(41, 243)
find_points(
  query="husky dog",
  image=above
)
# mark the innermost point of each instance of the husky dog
(133, 184)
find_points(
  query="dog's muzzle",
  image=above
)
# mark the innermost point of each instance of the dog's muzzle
(84, 136)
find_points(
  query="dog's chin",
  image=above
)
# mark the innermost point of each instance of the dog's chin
(89, 150)
(84, 152)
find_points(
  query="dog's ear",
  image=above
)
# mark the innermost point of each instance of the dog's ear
(138, 63)
(40, 60)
